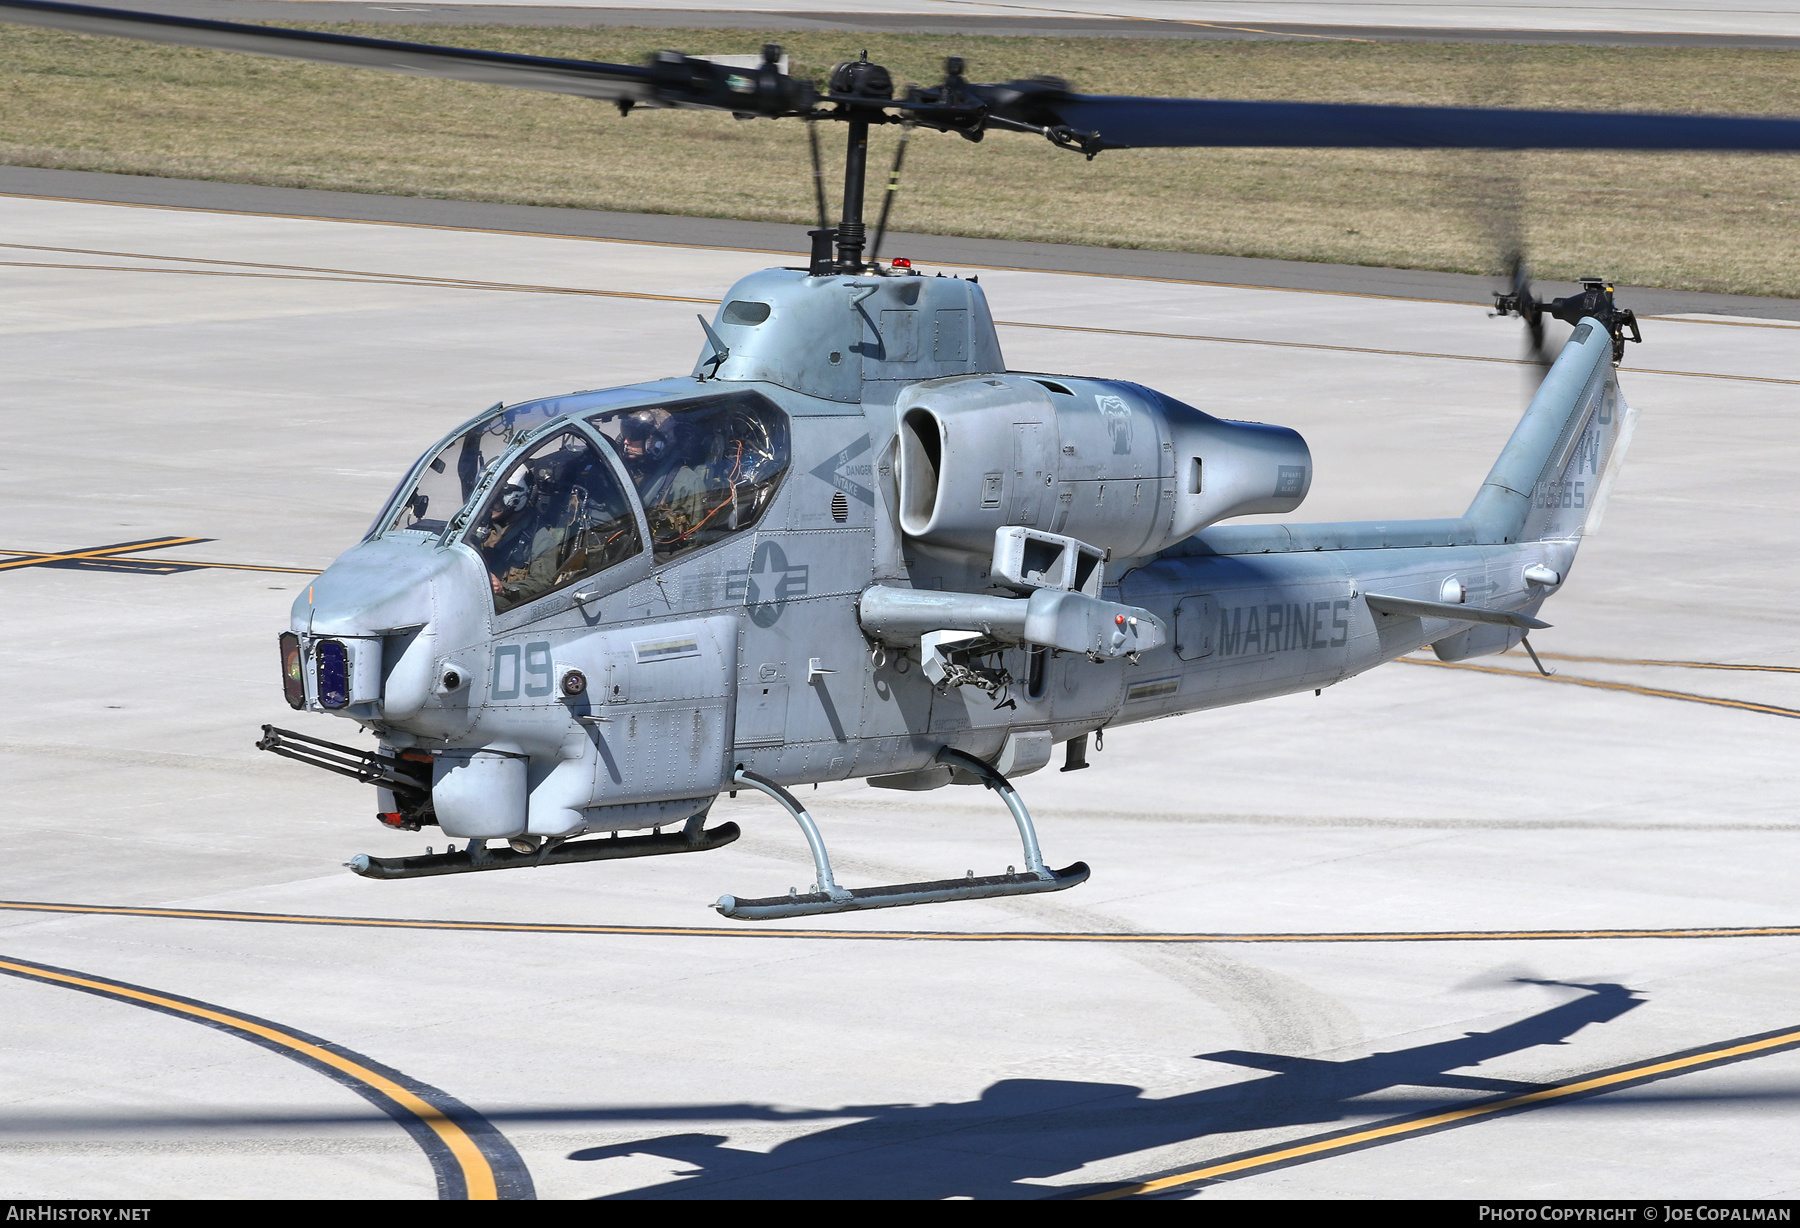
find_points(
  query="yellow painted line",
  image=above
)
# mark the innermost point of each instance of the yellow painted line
(365, 221)
(1320, 1148)
(682, 931)
(241, 264)
(1362, 349)
(422, 283)
(26, 558)
(32, 559)
(292, 571)
(1764, 669)
(1743, 704)
(425, 279)
(478, 1175)
(188, 562)
(1722, 324)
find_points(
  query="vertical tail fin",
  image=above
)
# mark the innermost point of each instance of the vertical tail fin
(1555, 473)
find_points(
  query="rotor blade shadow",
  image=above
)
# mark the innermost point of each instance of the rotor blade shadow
(1021, 1131)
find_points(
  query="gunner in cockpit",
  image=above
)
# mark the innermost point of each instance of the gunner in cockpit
(499, 538)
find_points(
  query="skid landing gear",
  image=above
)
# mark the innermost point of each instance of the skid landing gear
(827, 897)
(694, 838)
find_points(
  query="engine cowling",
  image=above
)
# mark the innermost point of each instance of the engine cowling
(1114, 464)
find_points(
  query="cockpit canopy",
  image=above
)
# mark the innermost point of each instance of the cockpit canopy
(448, 479)
(558, 516)
(704, 468)
(701, 469)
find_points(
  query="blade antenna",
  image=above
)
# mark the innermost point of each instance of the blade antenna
(893, 187)
(824, 239)
(812, 137)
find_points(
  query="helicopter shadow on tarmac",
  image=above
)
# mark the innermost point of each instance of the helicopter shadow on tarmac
(1021, 1129)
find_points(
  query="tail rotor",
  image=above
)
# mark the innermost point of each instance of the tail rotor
(1595, 302)
(1520, 301)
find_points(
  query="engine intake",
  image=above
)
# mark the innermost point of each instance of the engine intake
(1114, 464)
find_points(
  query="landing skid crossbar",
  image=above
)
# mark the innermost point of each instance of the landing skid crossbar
(827, 897)
(475, 859)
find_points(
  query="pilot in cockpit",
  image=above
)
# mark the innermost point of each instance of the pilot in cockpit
(644, 441)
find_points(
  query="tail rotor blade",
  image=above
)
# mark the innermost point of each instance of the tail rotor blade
(1519, 275)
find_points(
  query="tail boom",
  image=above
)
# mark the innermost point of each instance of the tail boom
(1262, 610)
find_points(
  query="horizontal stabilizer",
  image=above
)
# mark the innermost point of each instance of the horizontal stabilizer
(1456, 613)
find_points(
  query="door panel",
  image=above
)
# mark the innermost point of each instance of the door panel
(664, 713)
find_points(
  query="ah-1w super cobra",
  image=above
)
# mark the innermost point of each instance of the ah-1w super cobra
(850, 543)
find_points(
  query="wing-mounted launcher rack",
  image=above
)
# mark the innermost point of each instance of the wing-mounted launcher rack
(1027, 559)
(948, 627)
(827, 896)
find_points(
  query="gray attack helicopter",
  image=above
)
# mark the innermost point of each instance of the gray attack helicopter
(851, 543)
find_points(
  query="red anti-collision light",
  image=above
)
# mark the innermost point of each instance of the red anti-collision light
(903, 264)
(1119, 618)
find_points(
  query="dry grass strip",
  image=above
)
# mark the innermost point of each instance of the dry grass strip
(1704, 222)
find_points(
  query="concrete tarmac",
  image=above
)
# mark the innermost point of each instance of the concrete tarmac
(1470, 869)
(1715, 17)
(1604, 25)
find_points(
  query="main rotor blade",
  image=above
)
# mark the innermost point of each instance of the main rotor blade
(671, 80)
(1125, 122)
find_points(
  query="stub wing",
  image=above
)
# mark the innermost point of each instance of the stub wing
(1456, 613)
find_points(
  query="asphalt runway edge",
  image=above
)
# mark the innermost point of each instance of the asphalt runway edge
(215, 196)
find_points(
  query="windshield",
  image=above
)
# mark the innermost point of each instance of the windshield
(449, 477)
(558, 516)
(704, 468)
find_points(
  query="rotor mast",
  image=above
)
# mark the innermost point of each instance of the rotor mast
(850, 236)
(862, 92)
